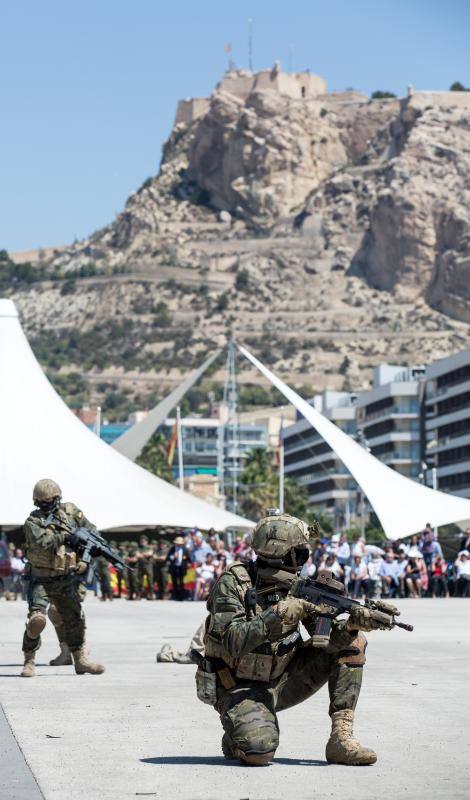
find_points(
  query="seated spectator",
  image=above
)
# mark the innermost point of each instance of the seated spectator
(318, 551)
(200, 549)
(237, 547)
(309, 569)
(205, 576)
(221, 563)
(389, 574)
(359, 577)
(413, 577)
(414, 550)
(359, 546)
(401, 564)
(439, 585)
(331, 563)
(375, 581)
(17, 563)
(246, 554)
(462, 570)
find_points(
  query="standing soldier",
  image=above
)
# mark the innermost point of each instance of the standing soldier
(131, 574)
(54, 568)
(160, 566)
(102, 573)
(122, 550)
(145, 567)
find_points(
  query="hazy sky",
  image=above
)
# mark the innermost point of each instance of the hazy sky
(88, 88)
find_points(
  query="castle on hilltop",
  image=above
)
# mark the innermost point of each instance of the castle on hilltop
(240, 83)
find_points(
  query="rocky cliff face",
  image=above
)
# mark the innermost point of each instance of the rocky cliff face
(328, 233)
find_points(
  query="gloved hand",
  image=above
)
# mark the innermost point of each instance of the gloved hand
(71, 540)
(366, 619)
(291, 611)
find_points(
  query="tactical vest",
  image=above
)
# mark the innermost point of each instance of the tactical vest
(44, 561)
(256, 666)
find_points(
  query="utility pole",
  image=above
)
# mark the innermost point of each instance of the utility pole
(250, 44)
(364, 443)
(229, 446)
(281, 467)
(180, 449)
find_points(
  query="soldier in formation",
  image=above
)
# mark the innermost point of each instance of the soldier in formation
(161, 548)
(145, 568)
(250, 612)
(54, 567)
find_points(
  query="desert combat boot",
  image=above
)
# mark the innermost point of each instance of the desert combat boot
(342, 747)
(64, 658)
(28, 670)
(83, 665)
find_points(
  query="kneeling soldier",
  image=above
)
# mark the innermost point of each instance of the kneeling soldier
(54, 569)
(246, 674)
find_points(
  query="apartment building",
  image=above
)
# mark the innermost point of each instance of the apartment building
(309, 460)
(447, 419)
(388, 417)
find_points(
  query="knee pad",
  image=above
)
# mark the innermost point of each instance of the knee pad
(254, 732)
(355, 654)
(35, 624)
(54, 616)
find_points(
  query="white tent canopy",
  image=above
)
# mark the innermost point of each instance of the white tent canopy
(41, 438)
(134, 440)
(402, 505)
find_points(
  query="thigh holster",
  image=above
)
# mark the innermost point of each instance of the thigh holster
(355, 654)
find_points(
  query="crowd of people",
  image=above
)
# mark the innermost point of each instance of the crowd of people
(157, 568)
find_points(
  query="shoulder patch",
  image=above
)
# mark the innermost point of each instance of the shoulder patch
(240, 572)
(70, 508)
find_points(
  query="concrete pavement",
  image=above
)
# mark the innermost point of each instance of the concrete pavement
(139, 730)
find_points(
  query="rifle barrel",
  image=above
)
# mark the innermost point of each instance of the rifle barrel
(404, 626)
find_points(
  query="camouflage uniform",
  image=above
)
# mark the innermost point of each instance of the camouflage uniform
(160, 566)
(253, 683)
(53, 578)
(102, 573)
(145, 570)
(131, 574)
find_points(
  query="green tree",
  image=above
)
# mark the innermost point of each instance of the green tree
(380, 95)
(458, 87)
(154, 457)
(260, 487)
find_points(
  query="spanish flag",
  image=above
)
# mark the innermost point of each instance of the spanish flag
(172, 444)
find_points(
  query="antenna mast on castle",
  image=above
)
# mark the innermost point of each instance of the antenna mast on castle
(250, 44)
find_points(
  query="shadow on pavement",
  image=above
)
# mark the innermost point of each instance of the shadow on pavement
(218, 761)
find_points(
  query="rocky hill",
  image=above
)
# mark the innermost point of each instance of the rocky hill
(327, 232)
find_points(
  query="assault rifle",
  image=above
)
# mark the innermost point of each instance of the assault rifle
(89, 544)
(326, 592)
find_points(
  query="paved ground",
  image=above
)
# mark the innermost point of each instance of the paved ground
(139, 730)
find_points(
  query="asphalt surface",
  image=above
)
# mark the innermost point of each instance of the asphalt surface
(139, 730)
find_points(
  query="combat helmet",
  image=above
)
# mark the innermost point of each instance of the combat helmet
(281, 539)
(45, 492)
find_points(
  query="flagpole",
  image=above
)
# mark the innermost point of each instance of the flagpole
(180, 448)
(281, 467)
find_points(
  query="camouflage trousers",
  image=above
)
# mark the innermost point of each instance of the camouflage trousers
(248, 712)
(66, 595)
(160, 574)
(145, 570)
